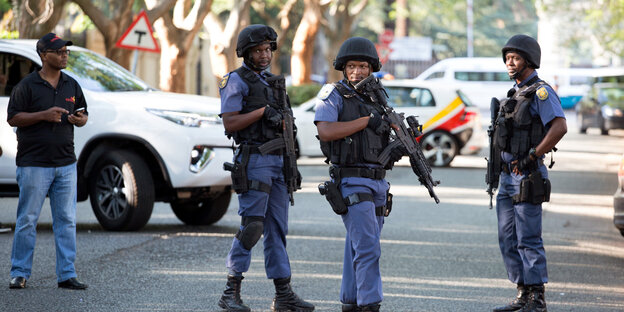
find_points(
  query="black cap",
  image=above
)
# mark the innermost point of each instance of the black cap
(51, 42)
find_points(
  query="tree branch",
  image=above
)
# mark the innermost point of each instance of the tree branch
(97, 17)
(158, 9)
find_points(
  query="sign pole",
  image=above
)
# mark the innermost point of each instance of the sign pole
(135, 61)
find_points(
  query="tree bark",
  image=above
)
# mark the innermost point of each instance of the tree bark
(223, 38)
(402, 21)
(303, 43)
(176, 33)
(36, 18)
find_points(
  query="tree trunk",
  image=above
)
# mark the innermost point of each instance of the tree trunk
(402, 19)
(37, 18)
(176, 33)
(303, 43)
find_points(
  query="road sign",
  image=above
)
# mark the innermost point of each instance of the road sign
(384, 52)
(386, 37)
(139, 36)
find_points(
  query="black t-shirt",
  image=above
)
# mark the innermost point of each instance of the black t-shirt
(45, 144)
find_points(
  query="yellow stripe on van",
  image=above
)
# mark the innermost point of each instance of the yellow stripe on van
(444, 112)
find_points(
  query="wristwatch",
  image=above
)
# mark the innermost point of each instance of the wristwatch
(533, 153)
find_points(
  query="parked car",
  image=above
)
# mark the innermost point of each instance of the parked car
(451, 124)
(480, 78)
(618, 200)
(139, 146)
(602, 108)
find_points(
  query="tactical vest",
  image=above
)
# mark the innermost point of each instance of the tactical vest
(260, 95)
(517, 131)
(361, 147)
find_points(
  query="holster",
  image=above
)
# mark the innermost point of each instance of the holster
(533, 189)
(334, 197)
(240, 182)
(239, 170)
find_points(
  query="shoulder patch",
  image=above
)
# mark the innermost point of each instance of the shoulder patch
(541, 93)
(224, 81)
(325, 91)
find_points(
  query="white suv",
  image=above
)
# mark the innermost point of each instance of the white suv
(139, 146)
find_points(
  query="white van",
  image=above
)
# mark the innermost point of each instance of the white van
(480, 78)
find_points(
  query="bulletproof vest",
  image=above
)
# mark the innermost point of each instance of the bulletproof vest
(260, 95)
(516, 130)
(361, 147)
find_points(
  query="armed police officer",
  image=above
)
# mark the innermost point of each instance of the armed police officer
(353, 132)
(526, 125)
(256, 114)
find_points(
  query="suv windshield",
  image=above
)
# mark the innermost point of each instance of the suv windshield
(97, 73)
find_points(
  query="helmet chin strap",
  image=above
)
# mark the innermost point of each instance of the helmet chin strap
(253, 66)
(518, 74)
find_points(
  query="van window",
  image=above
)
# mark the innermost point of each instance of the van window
(481, 76)
(13, 68)
(436, 75)
(409, 97)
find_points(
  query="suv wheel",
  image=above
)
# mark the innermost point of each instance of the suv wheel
(121, 190)
(202, 212)
(439, 147)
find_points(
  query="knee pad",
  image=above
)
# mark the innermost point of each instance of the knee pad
(253, 227)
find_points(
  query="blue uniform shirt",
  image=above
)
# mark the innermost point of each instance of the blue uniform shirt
(329, 106)
(545, 103)
(232, 90)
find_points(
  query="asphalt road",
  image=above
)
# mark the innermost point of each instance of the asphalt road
(434, 257)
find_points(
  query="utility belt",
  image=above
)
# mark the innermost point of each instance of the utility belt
(505, 166)
(534, 188)
(340, 204)
(238, 169)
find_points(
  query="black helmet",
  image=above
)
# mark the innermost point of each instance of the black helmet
(527, 47)
(357, 49)
(254, 35)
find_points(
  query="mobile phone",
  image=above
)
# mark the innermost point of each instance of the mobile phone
(80, 109)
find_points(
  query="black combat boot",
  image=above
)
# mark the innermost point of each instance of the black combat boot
(231, 300)
(349, 307)
(370, 307)
(518, 303)
(285, 298)
(536, 301)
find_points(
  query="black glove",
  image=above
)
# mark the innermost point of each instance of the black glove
(273, 117)
(397, 153)
(378, 123)
(527, 164)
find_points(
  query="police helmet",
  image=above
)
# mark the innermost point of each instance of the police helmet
(525, 46)
(254, 35)
(357, 49)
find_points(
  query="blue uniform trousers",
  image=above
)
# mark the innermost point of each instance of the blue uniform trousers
(274, 208)
(361, 278)
(520, 233)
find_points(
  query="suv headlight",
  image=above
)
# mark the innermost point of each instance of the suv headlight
(188, 119)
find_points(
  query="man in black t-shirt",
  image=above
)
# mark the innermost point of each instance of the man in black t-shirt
(45, 106)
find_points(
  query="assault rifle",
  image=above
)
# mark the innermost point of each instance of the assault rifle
(291, 173)
(493, 160)
(406, 136)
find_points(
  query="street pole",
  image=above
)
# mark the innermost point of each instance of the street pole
(469, 26)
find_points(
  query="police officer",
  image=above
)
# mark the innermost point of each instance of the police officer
(530, 122)
(353, 133)
(251, 115)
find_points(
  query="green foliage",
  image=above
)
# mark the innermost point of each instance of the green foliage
(5, 34)
(302, 93)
